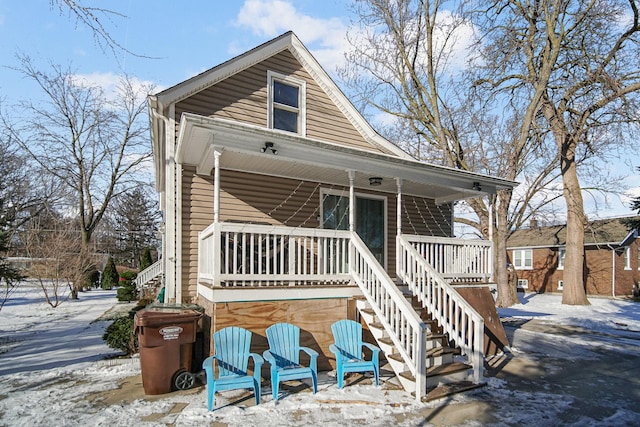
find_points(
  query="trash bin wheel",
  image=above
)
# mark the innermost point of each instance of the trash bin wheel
(184, 380)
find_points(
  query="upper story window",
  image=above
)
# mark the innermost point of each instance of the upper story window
(561, 253)
(523, 259)
(286, 103)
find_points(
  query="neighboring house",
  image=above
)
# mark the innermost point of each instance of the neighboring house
(282, 204)
(612, 257)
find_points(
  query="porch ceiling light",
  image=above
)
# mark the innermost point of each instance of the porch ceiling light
(268, 146)
(375, 181)
(476, 186)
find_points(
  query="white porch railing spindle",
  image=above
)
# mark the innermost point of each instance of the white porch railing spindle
(454, 314)
(405, 327)
(262, 255)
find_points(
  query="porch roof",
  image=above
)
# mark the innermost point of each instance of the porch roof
(320, 161)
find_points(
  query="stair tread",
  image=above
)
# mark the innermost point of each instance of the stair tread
(445, 390)
(438, 351)
(449, 368)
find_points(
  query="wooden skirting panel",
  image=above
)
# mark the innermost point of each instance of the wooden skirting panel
(495, 339)
(313, 317)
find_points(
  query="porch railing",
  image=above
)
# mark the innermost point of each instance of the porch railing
(456, 259)
(149, 273)
(266, 255)
(463, 324)
(396, 314)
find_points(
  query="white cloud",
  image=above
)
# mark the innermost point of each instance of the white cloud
(270, 18)
(110, 82)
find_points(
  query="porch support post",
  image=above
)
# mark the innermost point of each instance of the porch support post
(216, 218)
(399, 207)
(216, 186)
(352, 201)
(492, 251)
(398, 226)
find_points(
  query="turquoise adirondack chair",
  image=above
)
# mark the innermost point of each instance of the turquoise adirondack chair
(232, 357)
(284, 357)
(348, 348)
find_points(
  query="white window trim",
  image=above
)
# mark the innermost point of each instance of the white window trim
(302, 100)
(627, 258)
(345, 193)
(521, 267)
(562, 252)
(523, 284)
(560, 285)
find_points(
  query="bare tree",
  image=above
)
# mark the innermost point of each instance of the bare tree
(93, 143)
(19, 200)
(577, 64)
(408, 61)
(57, 262)
(97, 20)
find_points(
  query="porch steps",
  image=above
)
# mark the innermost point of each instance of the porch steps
(445, 375)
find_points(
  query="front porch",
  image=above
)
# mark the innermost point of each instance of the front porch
(261, 263)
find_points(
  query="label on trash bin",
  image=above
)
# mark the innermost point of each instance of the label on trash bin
(171, 332)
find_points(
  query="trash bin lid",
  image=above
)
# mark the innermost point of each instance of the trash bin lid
(174, 306)
(158, 316)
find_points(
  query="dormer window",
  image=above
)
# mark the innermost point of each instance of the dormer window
(286, 103)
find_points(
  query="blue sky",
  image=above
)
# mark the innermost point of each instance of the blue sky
(186, 38)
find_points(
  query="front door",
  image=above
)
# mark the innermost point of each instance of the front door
(370, 225)
(370, 220)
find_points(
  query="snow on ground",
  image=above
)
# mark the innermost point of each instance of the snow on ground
(53, 364)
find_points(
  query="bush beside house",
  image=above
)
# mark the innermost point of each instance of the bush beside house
(127, 290)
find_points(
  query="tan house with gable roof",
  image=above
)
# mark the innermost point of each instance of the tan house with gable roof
(281, 203)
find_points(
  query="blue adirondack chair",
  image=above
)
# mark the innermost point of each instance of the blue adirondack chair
(348, 348)
(284, 357)
(232, 357)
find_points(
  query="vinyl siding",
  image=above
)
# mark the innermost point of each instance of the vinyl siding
(243, 97)
(261, 199)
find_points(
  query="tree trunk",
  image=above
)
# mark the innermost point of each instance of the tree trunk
(507, 289)
(573, 292)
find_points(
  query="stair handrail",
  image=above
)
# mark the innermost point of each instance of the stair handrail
(404, 326)
(458, 319)
(149, 273)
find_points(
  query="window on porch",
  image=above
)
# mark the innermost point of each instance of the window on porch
(370, 220)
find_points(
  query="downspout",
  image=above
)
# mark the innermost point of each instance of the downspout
(165, 120)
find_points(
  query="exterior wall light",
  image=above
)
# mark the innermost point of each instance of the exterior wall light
(375, 181)
(268, 146)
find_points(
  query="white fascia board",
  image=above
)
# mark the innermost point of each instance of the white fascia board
(227, 69)
(336, 156)
(341, 101)
(291, 42)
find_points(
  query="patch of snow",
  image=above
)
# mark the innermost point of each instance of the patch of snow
(51, 360)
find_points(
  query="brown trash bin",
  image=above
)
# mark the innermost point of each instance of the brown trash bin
(165, 336)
